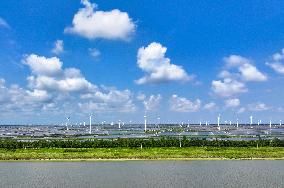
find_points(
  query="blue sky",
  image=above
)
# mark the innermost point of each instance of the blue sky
(182, 60)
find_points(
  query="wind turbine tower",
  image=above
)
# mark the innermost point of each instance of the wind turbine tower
(280, 122)
(90, 131)
(119, 121)
(237, 123)
(68, 119)
(145, 123)
(158, 122)
(250, 120)
(218, 121)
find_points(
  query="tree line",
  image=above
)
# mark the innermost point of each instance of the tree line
(136, 142)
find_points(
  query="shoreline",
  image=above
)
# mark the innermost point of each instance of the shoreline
(141, 159)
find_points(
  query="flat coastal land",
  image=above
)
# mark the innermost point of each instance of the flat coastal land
(159, 153)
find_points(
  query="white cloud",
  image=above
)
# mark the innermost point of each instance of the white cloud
(49, 75)
(247, 71)
(152, 103)
(277, 64)
(241, 110)
(141, 96)
(228, 87)
(237, 71)
(277, 67)
(251, 73)
(181, 104)
(232, 103)
(278, 56)
(259, 106)
(210, 106)
(158, 68)
(41, 65)
(95, 53)
(92, 24)
(111, 100)
(15, 99)
(53, 87)
(3, 23)
(235, 61)
(58, 47)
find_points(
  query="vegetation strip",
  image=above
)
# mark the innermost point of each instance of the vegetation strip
(167, 153)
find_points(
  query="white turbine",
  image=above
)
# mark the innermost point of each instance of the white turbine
(250, 120)
(280, 123)
(158, 122)
(90, 131)
(218, 122)
(145, 123)
(237, 123)
(270, 124)
(119, 121)
(68, 118)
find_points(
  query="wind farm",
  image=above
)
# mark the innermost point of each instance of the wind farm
(224, 130)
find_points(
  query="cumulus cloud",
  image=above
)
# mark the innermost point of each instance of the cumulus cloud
(51, 87)
(95, 53)
(241, 110)
(247, 71)
(92, 24)
(251, 73)
(3, 23)
(16, 99)
(41, 65)
(237, 71)
(228, 87)
(210, 106)
(235, 61)
(181, 104)
(49, 75)
(58, 47)
(232, 103)
(157, 67)
(152, 103)
(111, 100)
(259, 106)
(277, 64)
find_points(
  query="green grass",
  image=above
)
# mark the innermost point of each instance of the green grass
(145, 153)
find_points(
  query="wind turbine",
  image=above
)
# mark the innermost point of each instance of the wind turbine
(237, 123)
(218, 121)
(250, 120)
(145, 123)
(280, 123)
(90, 131)
(158, 122)
(119, 121)
(270, 124)
(68, 118)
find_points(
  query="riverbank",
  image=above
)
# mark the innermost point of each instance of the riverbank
(169, 153)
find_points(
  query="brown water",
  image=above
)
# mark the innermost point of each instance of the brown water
(143, 174)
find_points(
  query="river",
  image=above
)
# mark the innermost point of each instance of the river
(124, 174)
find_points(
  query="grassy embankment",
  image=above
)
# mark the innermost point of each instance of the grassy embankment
(174, 153)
